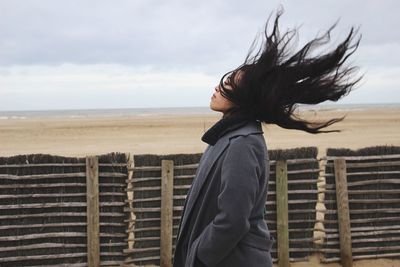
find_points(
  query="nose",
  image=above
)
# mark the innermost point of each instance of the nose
(217, 89)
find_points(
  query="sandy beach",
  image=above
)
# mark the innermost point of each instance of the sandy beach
(170, 134)
(166, 134)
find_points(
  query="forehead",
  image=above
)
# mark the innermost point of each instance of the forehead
(234, 75)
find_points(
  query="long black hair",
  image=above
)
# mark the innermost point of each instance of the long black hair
(274, 80)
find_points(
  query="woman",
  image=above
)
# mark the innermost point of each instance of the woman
(222, 222)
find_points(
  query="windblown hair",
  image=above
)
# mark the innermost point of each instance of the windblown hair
(274, 80)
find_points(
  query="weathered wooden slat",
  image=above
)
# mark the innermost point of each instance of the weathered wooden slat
(282, 213)
(144, 179)
(377, 201)
(58, 195)
(58, 175)
(113, 174)
(373, 249)
(367, 201)
(187, 166)
(367, 211)
(68, 265)
(297, 191)
(307, 181)
(295, 230)
(28, 165)
(42, 205)
(136, 250)
(366, 191)
(296, 201)
(374, 182)
(369, 220)
(374, 228)
(49, 185)
(144, 188)
(369, 256)
(41, 246)
(176, 197)
(368, 164)
(58, 205)
(158, 168)
(110, 263)
(376, 256)
(145, 168)
(147, 179)
(167, 191)
(55, 245)
(378, 157)
(343, 213)
(295, 161)
(147, 238)
(153, 188)
(33, 165)
(93, 211)
(43, 257)
(366, 173)
(52, 225)
(42, 235)
(146, 229)
(140, 259)
(59, 214)
(366, 240)
(157, 219)
(358, 234)
(314, 170)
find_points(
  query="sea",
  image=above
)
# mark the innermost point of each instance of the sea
(118, 112)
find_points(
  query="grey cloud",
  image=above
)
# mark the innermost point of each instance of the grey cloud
(163, 33)
(207, 35)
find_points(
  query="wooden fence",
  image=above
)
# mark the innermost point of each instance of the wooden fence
(363, 210)
(146, 202)
(58, 211)
(101, 211)
(363, 224)
(154, 228)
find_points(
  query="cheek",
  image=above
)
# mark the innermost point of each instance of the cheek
(226, 103)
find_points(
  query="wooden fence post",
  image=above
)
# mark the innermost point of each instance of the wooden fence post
(167, 191)
(342, 200)
(282, 212)
(92, 198)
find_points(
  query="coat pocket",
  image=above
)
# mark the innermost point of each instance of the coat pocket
(257, 241)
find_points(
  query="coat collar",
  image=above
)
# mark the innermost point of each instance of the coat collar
(207, 161)
(223, 126)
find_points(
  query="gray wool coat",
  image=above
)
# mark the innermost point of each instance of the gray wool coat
(226, 203)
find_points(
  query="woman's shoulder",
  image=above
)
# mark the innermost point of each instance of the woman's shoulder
(250, 141)
(248, 129)
(248, 138)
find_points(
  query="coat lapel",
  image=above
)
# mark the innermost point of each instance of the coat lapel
(211, 155)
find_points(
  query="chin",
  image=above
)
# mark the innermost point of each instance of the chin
(212, 107)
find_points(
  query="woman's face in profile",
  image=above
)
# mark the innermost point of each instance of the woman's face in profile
(218, 102)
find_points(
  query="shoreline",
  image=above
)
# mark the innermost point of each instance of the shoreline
(169, 111)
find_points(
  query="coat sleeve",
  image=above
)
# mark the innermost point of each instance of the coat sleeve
(239, 187)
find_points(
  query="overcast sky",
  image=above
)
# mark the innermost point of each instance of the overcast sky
(75, 54)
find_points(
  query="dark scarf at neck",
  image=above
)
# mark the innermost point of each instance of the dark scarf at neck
(222, 127)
